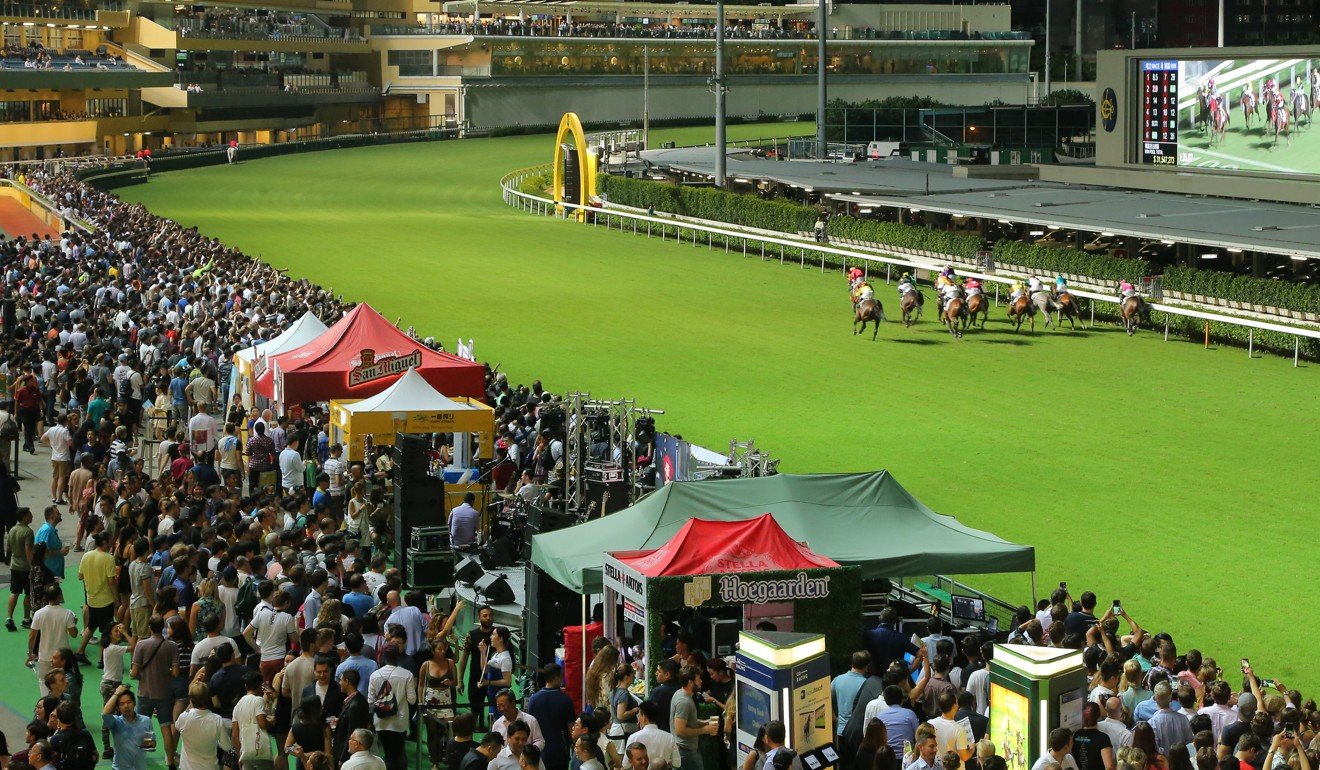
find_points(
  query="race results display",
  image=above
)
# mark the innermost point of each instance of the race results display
(1159, 113)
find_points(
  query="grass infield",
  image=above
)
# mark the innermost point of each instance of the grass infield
(1151, 472)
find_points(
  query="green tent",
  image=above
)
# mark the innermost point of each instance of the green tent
(867, 519)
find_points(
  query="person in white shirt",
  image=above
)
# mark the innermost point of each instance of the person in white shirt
(213, 640)
(50, 624)
(60, 440)
(661, 748)
(950, 734)
(200, 731)
(507, 705)
(292, 466)
(272, 629)
(1221, 714)
(253, 717)
(360, 756)
(392, 730)
(516, 742)
(202, 429)
(1114, 726)
(1060, 751)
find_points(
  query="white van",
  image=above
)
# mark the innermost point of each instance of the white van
(881, 150)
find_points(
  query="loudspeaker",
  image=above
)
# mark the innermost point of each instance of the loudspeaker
(595, 492)
(501, 552)
(468, 571)
(410, 457)
(493, 588)
(549, 607)
(418, 502)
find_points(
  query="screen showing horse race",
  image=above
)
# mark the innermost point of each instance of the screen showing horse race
(1234, 114)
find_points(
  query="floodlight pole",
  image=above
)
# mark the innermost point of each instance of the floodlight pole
(822, 42)
(1047, 48)
(721, 149)
(646, 97)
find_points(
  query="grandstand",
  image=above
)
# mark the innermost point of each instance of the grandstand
(120, 79)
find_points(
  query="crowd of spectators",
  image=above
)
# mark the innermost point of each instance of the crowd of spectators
(240, 593)
(247, 23)
(36, 56)
(922, 701)
(514, 27)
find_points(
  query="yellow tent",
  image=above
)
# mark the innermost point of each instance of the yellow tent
(411, 405)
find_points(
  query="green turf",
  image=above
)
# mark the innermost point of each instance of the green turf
(1153, 472)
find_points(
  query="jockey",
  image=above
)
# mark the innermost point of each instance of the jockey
(854, 276)
(949, 290)
(862, 292)
(906, 284)
(972, 286)
(1060, 285)
(1018, 291)
(947, 274)
(1035, 285)
(1125, 290)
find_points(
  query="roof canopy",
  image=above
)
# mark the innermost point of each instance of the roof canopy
(867, 519)
(303, 331)
(361, 355)
(409, 393)
(705, 547)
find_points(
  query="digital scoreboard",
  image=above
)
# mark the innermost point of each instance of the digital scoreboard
(1159, 113)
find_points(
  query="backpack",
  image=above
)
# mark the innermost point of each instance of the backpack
(248, 597)
(80, 752)
(385, 705)
(126, 388)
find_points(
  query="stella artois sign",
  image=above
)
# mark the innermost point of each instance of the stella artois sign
(370, 368)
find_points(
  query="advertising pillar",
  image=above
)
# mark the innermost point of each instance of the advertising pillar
(786, 676)
(1032, 691)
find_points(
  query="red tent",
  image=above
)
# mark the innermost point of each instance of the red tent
(361, 355)
(704, 547)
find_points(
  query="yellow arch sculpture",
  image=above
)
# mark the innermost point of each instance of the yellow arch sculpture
(571, 127)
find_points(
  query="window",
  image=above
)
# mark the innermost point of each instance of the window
(411, 63)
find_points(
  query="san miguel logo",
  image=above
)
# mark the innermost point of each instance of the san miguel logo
(370, 369)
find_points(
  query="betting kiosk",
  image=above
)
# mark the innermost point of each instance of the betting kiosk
(1033, 690)
(786, 676)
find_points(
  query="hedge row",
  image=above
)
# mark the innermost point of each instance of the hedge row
(536, 184)
(708, 203)
(905, 236)
(1064, 260)
(1275, 342)
(1303, 298)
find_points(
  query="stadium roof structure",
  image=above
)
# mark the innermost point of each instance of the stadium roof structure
(867, 519)
(1220, 223)
(633, 9)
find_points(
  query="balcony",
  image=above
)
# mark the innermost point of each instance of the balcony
(55, 14)
(276, 32)
(74, 69)
(247, 89)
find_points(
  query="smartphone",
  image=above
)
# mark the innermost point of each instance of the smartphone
(993, 628)
(1273, 683)
(1063, 584)
(1289, 730)
(1118, 607)
(1245, 664)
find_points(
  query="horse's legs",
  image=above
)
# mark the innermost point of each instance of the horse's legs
(877, 329)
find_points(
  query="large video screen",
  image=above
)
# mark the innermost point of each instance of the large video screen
(1233, 114)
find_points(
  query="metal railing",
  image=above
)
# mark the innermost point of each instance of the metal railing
(687, 230)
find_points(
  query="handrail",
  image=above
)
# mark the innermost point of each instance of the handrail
(925, 261)
(48, 204)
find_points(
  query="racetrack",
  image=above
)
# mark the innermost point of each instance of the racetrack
(1158, 473)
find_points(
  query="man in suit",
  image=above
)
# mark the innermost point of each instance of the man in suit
(353, 714)
(324, 687)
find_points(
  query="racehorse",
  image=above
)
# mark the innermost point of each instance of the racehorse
(1021, 309)
(1203, 107)
(977, 303)
(911, 304)
(1133, 311)
(1281, 121)
(1067, 306)
(1045, 304)
(1301, 106)
(955, 310)
(1218, 121)
(868, 310)
(1249, 106)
